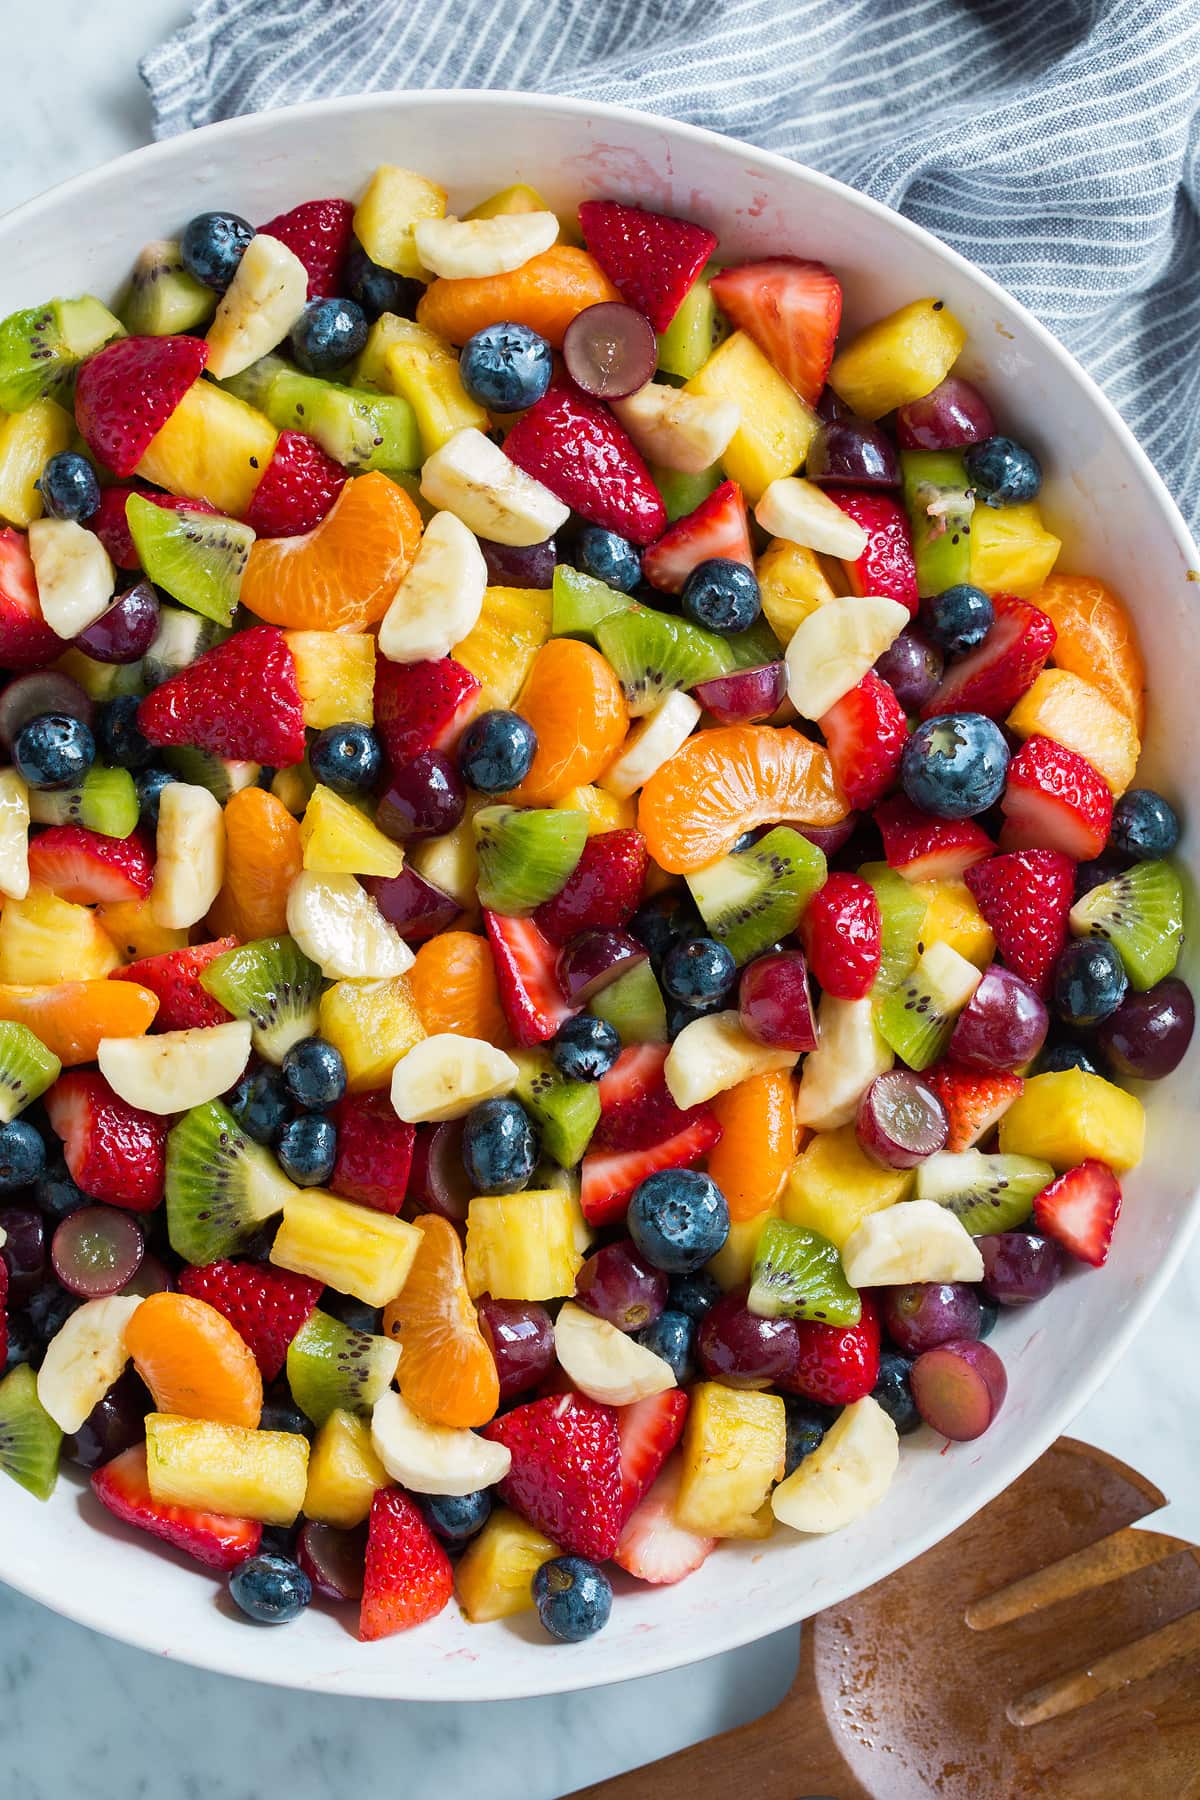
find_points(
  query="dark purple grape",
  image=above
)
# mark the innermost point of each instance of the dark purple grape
(24, 1251)
(829, 839)
(437, 1181)
(744, 696)
(617, 1284)
(1002, 1026)
(912, 668)
(126, 631)
(852, 452)
(153, 1277)
(519, 566)
(900, 1121)
(953, 414)
(610, 349)
(593, 960)
(832, 406)
(959, 1388)
(925, 1314)
(1105, 867)
(114, 1424)
(735, 1346)
(775, 1003)
(417, 908)
(42, 691)
(96, 1251)
(520, 1336)
(333, 1560)
(1019, 1266)
(1148, 1035)
(424, 798)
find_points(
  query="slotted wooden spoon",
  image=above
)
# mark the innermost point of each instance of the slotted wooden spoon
(1049, 1647)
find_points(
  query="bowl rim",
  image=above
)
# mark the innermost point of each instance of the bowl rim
(736, 1629)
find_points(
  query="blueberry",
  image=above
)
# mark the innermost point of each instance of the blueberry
(378, 290)
(346, 758)
(456, 1517)
(353, 1312)
(694, 1295)
(954, 766)
(1056, 1057)
(609, 558)
(117, 736)
(57, 1195)
(678, 1219)
(1002, 472)
(893, 1391)
(212, 246)
(722, 595)
(69, 487)
(662, 921)
(280, 1540)
(23, 1346)
(270, 1589)
(506, 367)
(54, 751)
(680, 1017)
(989, 1312)
(259, 1103)
(698, 971)
(807, 1423)
(307, 1150)
(499, 1147)
(958, 618)
(314, 1073)
(327, 334)
(585, 1048)
(1144, 825)
(1089, 981)
(573, 1598)
(670, 1336)
(280, 1413)
(497, 751)
(150, 784)
(48, 1310)
(22, 1155)
(1097, 871)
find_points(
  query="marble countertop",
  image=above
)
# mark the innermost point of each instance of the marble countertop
(82, 1715)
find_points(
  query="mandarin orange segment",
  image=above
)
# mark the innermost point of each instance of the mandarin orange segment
(1096, 639)
(724, 782)
(454, 984)
(446, 1371)
(758, 1142)
(574, 702)
(262, 859)
(545, 293)
(73, 1016)
(193, 1360)
(340, 576)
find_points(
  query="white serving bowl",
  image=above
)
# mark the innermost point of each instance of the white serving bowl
(1117, 521)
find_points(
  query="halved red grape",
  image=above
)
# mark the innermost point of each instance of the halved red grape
(333, 1560)
(735, 1346)
(437, 1181)
(912, 668)
(41, 691)
(610, 349)
(519, 565)
(1019, 1266)
(924, 1314)
(593, 960)
(959, 1388)
(852, 452)
(24, 1251)
(424, 798)
(126, 631)
(1148, 1035)
(1002, 1026)
(774, 1001)
(744, 696)
(520, 1336)
(829, 839)
(153, 1277)
(117, 1421)
(618, 1285)
(417, 908)
(954, 413)
(95, 1251)
(900, 1121)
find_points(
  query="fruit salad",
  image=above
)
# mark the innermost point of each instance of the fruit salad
(575, 904)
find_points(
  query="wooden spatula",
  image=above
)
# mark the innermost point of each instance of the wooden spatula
(1050, 1647)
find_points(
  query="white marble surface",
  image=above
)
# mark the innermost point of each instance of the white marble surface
(81, 1715)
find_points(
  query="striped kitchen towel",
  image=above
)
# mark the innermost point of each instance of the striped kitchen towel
(1054, 142)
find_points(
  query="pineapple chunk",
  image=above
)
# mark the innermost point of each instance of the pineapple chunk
(44, 940)
(343, 1472)
(351, 1248)
(337, 839)
(952, 917)
(27, 442)
(133, 929)
(604, 811)
(499, 650)
(793, 584)
(1077, 715)
(833, 1186)
(523, 1246)
(1068, 1116)
(777, 426)
(294, 787)
(226, 1468)
(373, 1024)
(731, 1266)
(1011, 550)
(451, 861)
(495, 1573)
(396, 200)
(425, 373)
(14, 835)
(898, 359)
(734, 1446)
(213, 447)
(335, 671)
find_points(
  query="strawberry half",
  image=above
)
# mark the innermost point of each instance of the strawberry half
(608, 1177)
(183, 1005)
(112, 528)
(422, 706)
(125, 394)
(26, 641)
(792, 309)
(319, 232)
(266, 1306)
(635, 1077)
(602, 892)
(407, 1578)
(1025, 896)
(865, 733)
(650, 257)
(843, 936)
(922, 848)
(887, 566)
(719, 526)
(1080, 1209)
(87, 867)
(529, 993)
(574, 447)
(239, 700)
(837, 1364)
(374, 1152)
(652, 1546)
(648, 1432)
(973, 1100)
(566, 1471)
(114, 1151)
(1055, 800)
(298, 487)
(992, 678)
(214, 1539)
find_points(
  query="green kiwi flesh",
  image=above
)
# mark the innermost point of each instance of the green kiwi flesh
(162, 298)
(198, 558)
(29, 1439)
(566, 1112)
(526, 854)
(273, 984)
(331, 1365)
(653, 654)
(985, 1193)
(27, 1068)
(221, 1185)
(752, 898)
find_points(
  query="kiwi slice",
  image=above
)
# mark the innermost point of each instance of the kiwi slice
(41, 347)
(566, 1112)
(273, 984)
(221, 1185)
(798, 1274)
(580, 602)
(29, 1438)
(162, 298)
(331, 1365)
(181, 637)
(695, 331)
(634, 1006)
(200, 768)
(753, 897)
(251, 384)
(751, 649)
(902, 912)
(294, 786)
(360, 430)
(985, 1193)
(198, 558)
(27, 1068)
(917, 1017)
(682, 494)
(525, 854)
(1140, 912)
(940, 501)
(653, 654)
(105, 801)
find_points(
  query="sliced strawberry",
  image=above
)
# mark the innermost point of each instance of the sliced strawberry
(648, 1431)
(636, 1108)
(1079, 1210)
(574, 446)
(637, 1072)
(1025, 896)
(865, 733)
(265, 1305)
(26, 641)
(608, 1177)
(239, 700)
(374, 1152)
(422, 706)
(925, 849)
(214, 1539)
(650, 257)
(974, 1100)
(114, 1151)
(652, 1546)
(602, 892)
(319, 232)
(837, 1364)
(1055, 800)
(1011, 657)
(887, 565)
(720, 526)
(183, 1005)
(530, 995)
(125, 394)
(112, 528)
(407, 1578)
(87, 867)
(792, 310)
(566, 1471)
(843, 936)
(298, 487)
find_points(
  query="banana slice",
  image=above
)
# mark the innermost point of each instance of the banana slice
(175, 1070)
(14, 835)
(259, 307)
(915, 1241)
(84, 1359)
(850, 1053)
(472, 478)
(845, 1476)
(460, 249)
(652, 740)
(439, 600)
(190, 847)
(444, 1076)
(832, 649)
(75, 578)
(713, 1054)
(604, 1363)
(683, 431)
(433, 1459)
(797, 510)
(336, 923)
